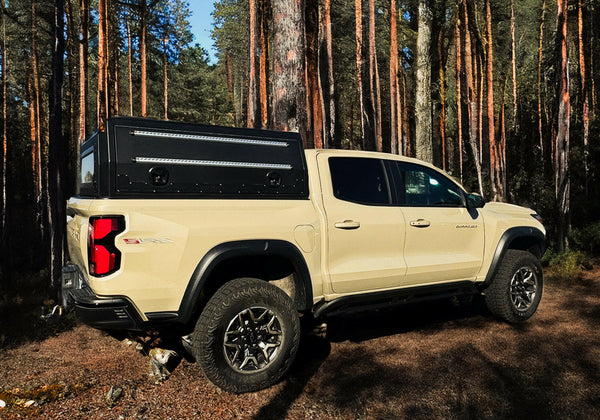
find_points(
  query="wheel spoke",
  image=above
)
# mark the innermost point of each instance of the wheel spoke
(523, 287)
(252, 339)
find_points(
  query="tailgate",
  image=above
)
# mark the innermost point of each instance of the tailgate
(77, 226)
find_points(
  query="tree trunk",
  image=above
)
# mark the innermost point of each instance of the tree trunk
(252, 106)
(84, 12)
(263, 97)
(102, 98)
(394, 88)
(289, 82)
(442, 96)
(513, 61)
(471, 100)
(374, 80)
(230, 87)
(459, 92)
(165, 79)
(539, 80)
(143, 85)
(3, 233)
(359, 73)
(330, 126)
(57, 163)
(423, 139)
(313, 89)
(561, 160)
(113, 43)
(129, 63)
(490, 103)
(34, 113)
(585, 111)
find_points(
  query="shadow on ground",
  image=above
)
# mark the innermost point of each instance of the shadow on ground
(21, 321)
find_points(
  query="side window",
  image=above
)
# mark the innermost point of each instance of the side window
(424, 187)
(359, 180)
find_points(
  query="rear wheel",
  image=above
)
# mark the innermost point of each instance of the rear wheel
(247, 335)
(516, 289)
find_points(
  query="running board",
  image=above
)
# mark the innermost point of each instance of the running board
(390, 298)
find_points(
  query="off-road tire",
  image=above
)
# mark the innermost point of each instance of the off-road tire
(220, 312)
(498, 297)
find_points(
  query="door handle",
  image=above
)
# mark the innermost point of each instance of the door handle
(420, 223)
(347, 224)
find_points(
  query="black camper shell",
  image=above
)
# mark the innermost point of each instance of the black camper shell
(140, 157)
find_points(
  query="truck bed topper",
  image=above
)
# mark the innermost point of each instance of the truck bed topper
(134, 157)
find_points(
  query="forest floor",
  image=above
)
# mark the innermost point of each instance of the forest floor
(427, 361)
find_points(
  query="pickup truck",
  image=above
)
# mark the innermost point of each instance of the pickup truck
(231, 236)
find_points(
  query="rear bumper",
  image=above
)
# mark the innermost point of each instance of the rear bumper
(108, 313)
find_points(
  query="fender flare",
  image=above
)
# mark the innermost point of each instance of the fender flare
(536, 236)
(228, 250)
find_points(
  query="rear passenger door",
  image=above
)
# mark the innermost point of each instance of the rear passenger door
(365, 230)
(444, 239)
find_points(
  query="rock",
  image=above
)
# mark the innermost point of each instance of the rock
(29, 403)
(114, 393)
(2, 404)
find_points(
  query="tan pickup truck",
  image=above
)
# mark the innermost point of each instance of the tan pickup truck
(230, 236)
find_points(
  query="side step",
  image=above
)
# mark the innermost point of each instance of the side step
(391, 298)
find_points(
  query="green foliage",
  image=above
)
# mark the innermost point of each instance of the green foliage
(564, 268)
(587, 238)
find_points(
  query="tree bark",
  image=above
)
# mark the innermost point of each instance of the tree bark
(561, 160)
(263, 97)
(57, 163)
(289, 82)
(3, 234)
(585, 111)
(459, 91)
(84, 13)
(513, 61)
(34, 113)
(471, 100)
(359, 73)
(165, 79)
(252, 106)
(331, 119)
(313, 89)
(129, 63)
(374, 83)
(423, 139)
(442, 96)
(395, 117)
(102, 94)
(494, 167)
(143, 87)
(539, 79)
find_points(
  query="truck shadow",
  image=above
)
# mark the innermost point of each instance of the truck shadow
(315, 350)
(21, 322)
(397, 320)
(312, 352)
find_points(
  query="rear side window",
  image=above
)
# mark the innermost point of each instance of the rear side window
(359, 180)
(87, 173)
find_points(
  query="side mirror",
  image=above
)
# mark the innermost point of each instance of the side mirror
(475, 201)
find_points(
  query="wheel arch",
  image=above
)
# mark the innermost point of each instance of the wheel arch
(246, 259)
(524, 238)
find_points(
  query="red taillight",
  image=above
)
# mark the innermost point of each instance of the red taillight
(103, 256)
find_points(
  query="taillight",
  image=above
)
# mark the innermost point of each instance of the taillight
(103, 256)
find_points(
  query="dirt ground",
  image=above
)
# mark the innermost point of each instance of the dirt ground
(427, 361)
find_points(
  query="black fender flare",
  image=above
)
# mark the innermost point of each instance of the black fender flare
(228, 250)
(534, 235)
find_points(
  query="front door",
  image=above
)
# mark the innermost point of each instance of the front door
(444, 239)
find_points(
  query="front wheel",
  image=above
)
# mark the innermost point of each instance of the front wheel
(247, 335)
(516, 289)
